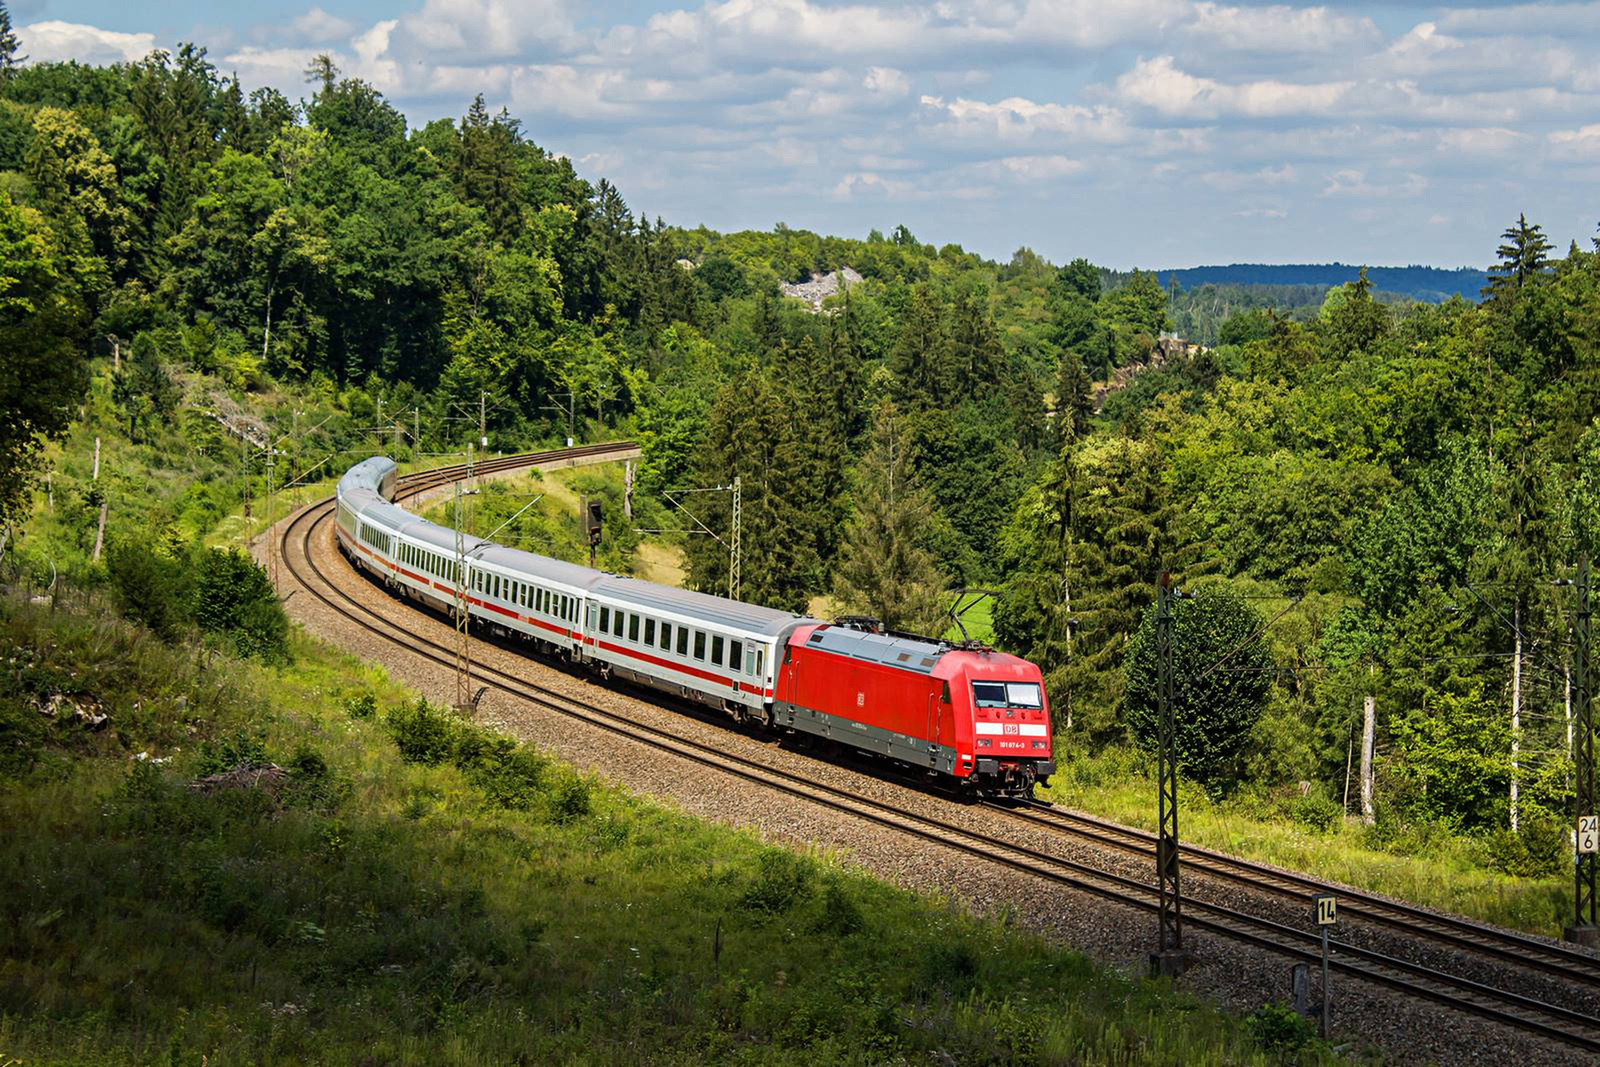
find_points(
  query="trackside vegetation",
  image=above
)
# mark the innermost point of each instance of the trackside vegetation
(248, 863)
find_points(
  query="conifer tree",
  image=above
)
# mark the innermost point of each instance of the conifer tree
(9, 60)
(1522, 256)
(921, 357)
(1074, 403)
(976, 359)
(822, 453)
(883, 569)
(750, 436)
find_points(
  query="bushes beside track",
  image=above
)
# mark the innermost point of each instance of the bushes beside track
(244, 863)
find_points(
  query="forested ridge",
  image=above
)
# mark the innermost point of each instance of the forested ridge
(1388, 488)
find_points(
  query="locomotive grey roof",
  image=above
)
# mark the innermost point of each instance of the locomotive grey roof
(906, 653)
(714, 610)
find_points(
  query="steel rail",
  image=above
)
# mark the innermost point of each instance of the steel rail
(1508, 946)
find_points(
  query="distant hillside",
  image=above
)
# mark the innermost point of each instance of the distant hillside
(1419, 283)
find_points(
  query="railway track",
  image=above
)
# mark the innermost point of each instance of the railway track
(1570, 1028)
(1560, 961)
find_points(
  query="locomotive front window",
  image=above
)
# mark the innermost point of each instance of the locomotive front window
(1007, 695)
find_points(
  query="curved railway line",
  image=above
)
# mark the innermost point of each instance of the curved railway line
(1555, 1022)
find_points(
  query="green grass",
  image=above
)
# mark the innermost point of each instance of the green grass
(474, 903)
(1426, 866)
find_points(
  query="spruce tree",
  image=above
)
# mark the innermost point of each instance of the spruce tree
(1074, 402)
(921, 357)
(821, 449)
(9, 60)
(883, 570)
(1522, 256)
(750, 436)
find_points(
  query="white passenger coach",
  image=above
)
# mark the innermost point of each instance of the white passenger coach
(707, 648)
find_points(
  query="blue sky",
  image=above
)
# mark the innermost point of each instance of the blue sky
(1155, 133)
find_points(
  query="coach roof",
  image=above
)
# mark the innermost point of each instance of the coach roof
(712, 610)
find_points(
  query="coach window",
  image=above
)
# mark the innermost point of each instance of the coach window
(605, 618)
(750, 661)
(618, 621)
(716, 649)
(666, 636)
(700, 645)
(683, 640)
(735, 654)
(649, 631)
(633, 628)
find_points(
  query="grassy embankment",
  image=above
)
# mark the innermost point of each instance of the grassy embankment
(415, 890)
(1428, 867)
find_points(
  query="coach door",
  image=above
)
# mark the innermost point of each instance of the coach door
(934, 722)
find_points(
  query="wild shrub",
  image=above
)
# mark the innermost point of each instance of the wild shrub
(361, 705)
(1539, 850)
(152, 588)
(569, 799)
(1277, 1027)
(782, 880)
(1316, 811)
(312, 783)
(839, 914)
(509, 776)
(239, 749)
(950, 964)
(234, 599)
(423, 733)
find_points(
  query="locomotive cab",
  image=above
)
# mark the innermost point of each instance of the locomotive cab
(1010, 726)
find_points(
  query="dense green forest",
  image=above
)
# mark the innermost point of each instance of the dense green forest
(1389, 488)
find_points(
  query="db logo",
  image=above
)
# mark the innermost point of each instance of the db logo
(861, 700)
(1011, 728)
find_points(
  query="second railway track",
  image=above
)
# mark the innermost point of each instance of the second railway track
(1555, 1022)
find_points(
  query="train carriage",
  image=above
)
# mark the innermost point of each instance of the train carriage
(964, 712)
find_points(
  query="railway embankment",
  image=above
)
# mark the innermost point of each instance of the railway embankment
(224, 861)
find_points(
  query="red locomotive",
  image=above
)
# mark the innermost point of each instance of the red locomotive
(962, 710)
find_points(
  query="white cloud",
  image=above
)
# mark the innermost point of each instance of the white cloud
(1037, 168)
(474, 31)
(1279, 29)
(1160, 85)
(44, 42)
(1581, 143)
(886, 80)
(868, 183)
(1017, 119)
(1355, 184)
(319, 27)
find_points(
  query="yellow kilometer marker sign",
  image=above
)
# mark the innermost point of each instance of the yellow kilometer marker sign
(1327, 915)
